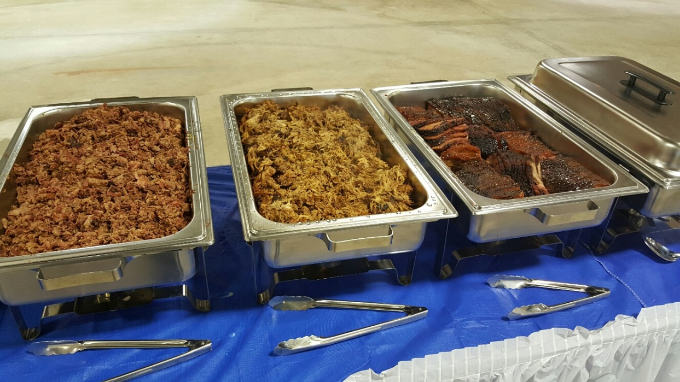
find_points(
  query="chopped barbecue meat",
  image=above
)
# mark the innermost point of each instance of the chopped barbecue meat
(459, 153)
(486, 111)
(521, 168)
(108, 175)
(523, 142)
(308, 164)
(561, 174)
(484, 180)
(416, 112)
(484, 138)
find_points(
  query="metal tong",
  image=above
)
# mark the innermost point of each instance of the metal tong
(656, 245)
(413, 313)
(196, 348)
(519, 282)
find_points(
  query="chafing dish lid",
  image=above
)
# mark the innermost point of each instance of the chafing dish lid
(635, 107)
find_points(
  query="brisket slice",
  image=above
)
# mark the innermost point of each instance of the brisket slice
(521, 168)
(484, 180)
(436, 127)
(451, 132)
(561, 174)
(416, 112)
(487, 111)
(523, 142)
(457, 154)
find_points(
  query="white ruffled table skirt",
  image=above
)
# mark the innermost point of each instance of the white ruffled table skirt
(628, 349)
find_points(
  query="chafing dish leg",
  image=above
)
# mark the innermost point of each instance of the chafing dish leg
(570, 240)
(198, 284)
(503, 247)
(267, 278)
(106, 302)
(444, 252)
(28, 332)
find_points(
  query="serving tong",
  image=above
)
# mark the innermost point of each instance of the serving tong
(297, 345)
(195, 347)
(518, 282)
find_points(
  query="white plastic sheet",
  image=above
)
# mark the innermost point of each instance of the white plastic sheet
(646, 349)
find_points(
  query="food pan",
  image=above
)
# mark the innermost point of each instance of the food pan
(286, 244)
(626, 109)
(113, 267)
(489, 219)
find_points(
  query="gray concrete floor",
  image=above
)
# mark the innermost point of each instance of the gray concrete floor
(66, 51)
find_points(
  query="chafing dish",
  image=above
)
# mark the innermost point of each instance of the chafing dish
(609, 100)
(630, 112)
(485, 219)
(72, 273)
(288, 245)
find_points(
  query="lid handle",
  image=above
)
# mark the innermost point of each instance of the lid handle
(659, 99)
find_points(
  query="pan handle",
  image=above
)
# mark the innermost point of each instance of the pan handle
(357, 243)
(659, 99)
(84, 273)
(565, 213)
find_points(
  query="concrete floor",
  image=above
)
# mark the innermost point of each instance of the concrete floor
(66, 51)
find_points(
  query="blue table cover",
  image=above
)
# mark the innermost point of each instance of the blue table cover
(463, 311)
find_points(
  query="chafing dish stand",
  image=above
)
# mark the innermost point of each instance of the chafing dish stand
(195, 290)
(267, 278)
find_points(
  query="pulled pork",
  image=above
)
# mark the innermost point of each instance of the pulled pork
(307, 165)
(108, 175)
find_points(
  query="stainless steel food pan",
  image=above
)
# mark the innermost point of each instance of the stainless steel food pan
(322, 241)
(107, 268)
(487, 219)
(626, 109)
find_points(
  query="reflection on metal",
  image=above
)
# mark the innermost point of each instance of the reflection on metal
(518, 282)
(268, 278)
(198, 296)
(297, 345)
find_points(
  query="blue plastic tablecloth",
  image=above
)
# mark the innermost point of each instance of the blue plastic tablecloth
(463, 311)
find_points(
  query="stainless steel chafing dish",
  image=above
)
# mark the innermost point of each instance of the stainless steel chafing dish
(626, 109)
(630, 112)
(287, 245)
(487, 219)
(94, 270)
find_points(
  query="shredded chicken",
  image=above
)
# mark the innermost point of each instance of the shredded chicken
(307, 165)
(108, 175)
